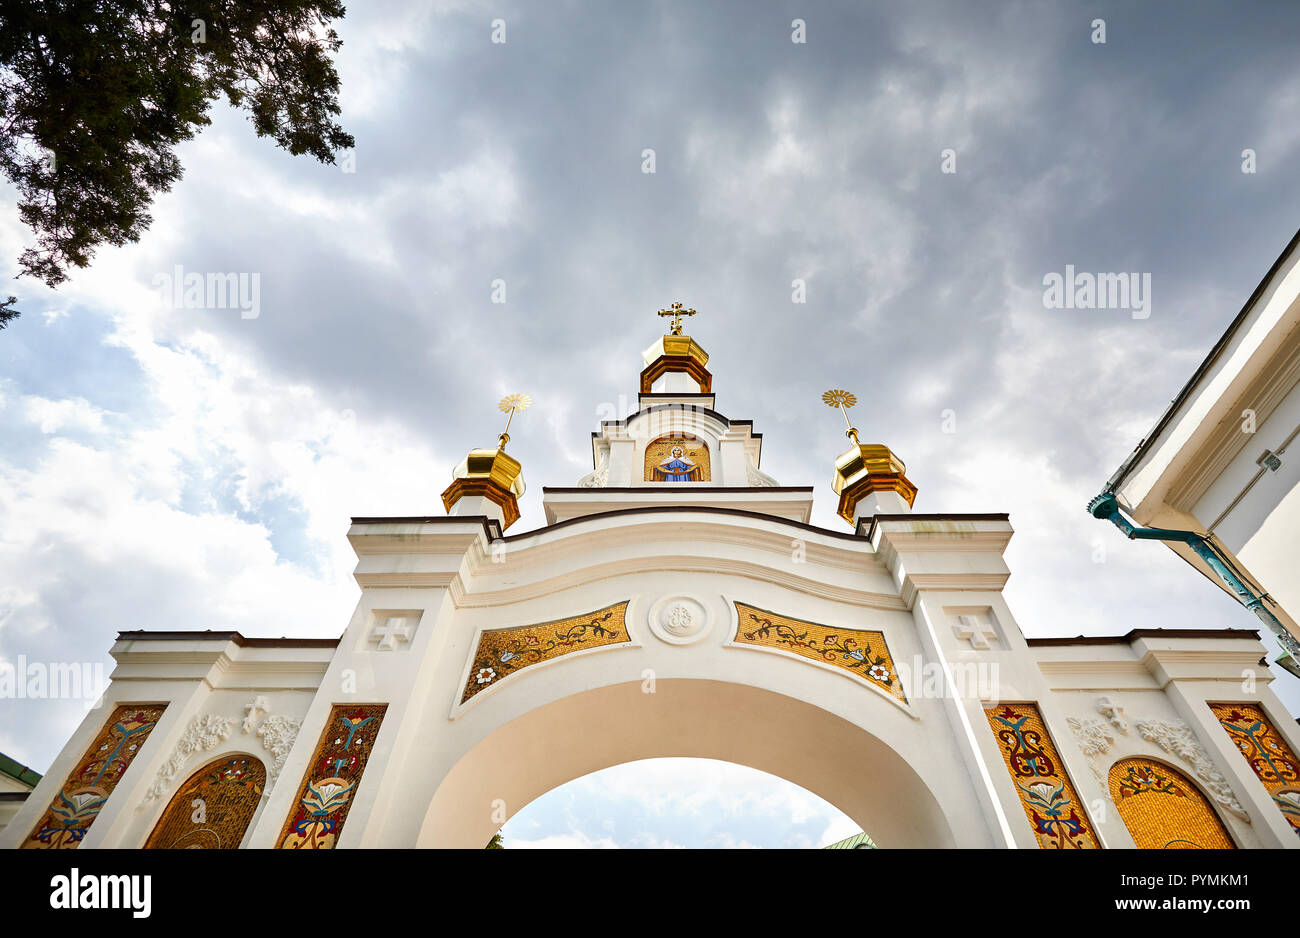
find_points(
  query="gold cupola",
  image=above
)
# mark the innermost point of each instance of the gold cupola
(676, 354)
(867, 471)
(490, 477)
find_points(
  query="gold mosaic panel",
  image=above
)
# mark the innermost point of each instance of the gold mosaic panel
(502, 652)
(1267, 753)
(1163, 810)
(78, 803)
(1050, 802)
(332, 777)
(211, 811)
(677, 459)
(858, 651)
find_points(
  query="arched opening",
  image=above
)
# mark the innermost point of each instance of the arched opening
(691, 803)
(516, 762)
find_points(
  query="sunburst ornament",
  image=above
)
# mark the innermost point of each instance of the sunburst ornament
(519, 402)
(843, 400)
(511, 404)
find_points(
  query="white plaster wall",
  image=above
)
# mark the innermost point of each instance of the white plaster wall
(925, 773)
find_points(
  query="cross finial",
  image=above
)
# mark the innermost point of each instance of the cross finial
(677, 313)
(843, 400)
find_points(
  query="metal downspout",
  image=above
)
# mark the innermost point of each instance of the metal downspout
(1106, 507)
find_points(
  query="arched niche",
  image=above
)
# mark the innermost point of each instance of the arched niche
(677, 457)
(214, 807)
(1163, 809)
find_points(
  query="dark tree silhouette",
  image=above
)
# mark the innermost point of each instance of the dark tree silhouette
(96, 94)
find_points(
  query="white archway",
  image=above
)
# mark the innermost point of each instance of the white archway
(594, 729)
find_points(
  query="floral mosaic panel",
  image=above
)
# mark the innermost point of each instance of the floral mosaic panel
(78, 803)
(1163, 810)
(1050, 802)
(502, 652)
(1267, 753)
(857, 651)
(677, 459)
(212, 810)
(332, 777)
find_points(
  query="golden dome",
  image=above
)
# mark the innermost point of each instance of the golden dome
(492, 465)
(675, 346)
(865, 468)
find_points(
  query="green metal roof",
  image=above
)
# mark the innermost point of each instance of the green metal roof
(856, 842)
(16, 770)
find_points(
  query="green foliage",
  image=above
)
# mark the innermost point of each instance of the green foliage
(495, 843)
(7, 312)
(96, 94)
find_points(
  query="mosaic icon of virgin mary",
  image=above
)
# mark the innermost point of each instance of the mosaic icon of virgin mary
(677, 468)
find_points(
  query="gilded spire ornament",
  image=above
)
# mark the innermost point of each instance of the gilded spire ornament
(868, 477)
(676, 311)
(511, 404)
(490, 481)
(843, 400)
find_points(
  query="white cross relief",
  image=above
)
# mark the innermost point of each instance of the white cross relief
(976, 630)
(393, 630)
(259, 707)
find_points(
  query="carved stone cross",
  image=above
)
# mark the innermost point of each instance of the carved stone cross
(976, 630)
(393, 630)
(252, 711)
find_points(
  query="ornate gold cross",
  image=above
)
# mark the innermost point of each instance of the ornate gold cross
(677, 313)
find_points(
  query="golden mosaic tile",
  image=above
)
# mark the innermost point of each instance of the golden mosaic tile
(677, 459)
(858, 651)
(332, 777)
(1163, 810)
(211, 811)
(1050, 802)
(503, 652)
(1267, 753)
(87, 788)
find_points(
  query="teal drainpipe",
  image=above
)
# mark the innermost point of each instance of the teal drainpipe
(1106, 507)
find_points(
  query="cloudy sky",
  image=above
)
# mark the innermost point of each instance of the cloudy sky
(173, 468)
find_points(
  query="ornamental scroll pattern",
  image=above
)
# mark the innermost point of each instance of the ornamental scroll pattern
(202, 735)
(87, 787)
(212, 810)
(1267, 754)
(1050, 802)
(1177, 738)
(1163, 810)
(330, 782)
(503, 652)
(857, 651)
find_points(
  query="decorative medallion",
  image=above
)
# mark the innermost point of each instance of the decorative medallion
(87, 788)
(502, 652)
(1163, 810)
(1267, 754)
(677, 459)
(679, 620)
(212, 810)
(332, 777)
(857, 651)
(1054, 810)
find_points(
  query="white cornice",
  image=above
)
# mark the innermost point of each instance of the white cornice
(790, 504)
(590, 573)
